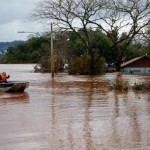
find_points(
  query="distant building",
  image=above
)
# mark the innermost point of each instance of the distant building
(137, 65)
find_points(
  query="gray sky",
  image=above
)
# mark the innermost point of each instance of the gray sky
(13, 18)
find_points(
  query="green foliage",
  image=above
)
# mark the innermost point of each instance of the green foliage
(135, 50)
(30, 51)
(100, 44)
(2, 58)
(76, 46)
(81, 65)
(68, 47)
(5, 45)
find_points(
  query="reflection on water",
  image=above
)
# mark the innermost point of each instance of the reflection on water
(13, 98)
(73, 113)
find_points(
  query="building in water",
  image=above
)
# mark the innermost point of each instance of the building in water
(137, 65)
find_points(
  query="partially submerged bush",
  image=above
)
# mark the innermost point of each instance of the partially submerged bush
(81, 65)
(120, 85)
(141, 86)
(45, 65)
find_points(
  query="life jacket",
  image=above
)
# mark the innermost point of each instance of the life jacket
(3, 76)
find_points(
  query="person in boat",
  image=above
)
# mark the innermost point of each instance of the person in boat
(3, 77)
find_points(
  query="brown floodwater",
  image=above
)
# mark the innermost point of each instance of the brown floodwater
(73, 113)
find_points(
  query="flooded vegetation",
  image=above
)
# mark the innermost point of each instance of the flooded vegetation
(122, 85)
(74, 112)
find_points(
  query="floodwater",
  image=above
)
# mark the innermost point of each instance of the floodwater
(73, 113)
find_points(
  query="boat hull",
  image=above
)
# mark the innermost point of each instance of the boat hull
(16, 86)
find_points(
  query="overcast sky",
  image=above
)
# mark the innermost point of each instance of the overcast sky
(13, 18)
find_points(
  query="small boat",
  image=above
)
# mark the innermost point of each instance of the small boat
(13, 86)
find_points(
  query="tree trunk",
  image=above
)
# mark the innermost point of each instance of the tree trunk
(118, 66)
(92, 65)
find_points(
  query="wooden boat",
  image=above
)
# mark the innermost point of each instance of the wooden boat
(13, 86)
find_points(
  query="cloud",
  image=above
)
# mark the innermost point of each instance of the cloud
(9, 31)
(13, 17)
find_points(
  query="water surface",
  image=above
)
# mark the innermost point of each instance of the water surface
(73, 113)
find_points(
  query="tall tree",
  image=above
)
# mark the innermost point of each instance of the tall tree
(121, 20)
(71, 15)
(124, 19)
(147, 40)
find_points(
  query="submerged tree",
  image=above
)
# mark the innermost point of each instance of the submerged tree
(121, 20)
(71, 15)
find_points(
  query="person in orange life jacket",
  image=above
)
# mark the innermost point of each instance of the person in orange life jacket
(3, 77)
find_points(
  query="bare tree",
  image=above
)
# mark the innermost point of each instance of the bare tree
(146, 35)
(71, 15)
(121, 20)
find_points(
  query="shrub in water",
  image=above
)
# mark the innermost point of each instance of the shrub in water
(45, 64)
(81, 65)
(141, 86)
(120, 85)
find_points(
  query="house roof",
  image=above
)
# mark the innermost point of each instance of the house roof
(132, 60)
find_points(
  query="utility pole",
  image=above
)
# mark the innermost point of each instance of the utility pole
(52, 53)
(52, 49)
